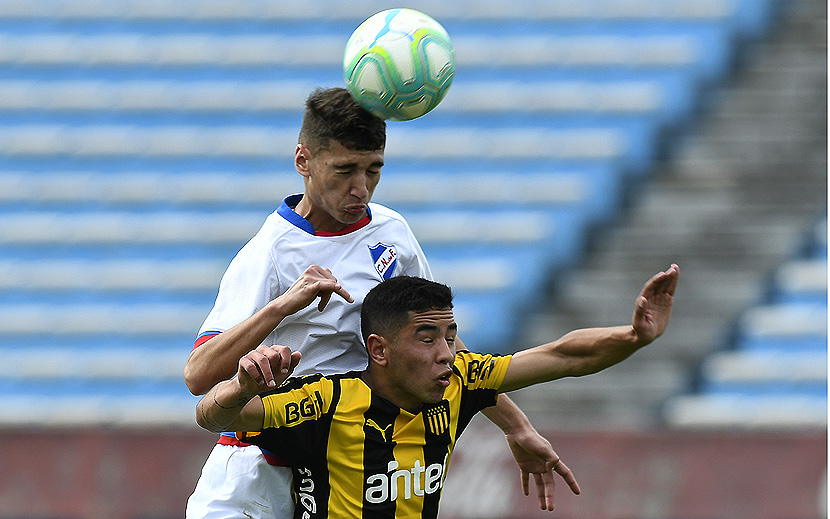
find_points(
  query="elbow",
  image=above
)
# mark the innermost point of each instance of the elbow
(203, 421)
(209, 426)
(206, 425)
(194, 383)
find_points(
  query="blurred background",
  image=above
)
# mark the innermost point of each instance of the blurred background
(583, 147)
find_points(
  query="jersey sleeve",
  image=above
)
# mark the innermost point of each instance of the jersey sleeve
(247, 285)
(481, 371)
(417, 266)
(292, 415)
(301, 400)
(481, 376)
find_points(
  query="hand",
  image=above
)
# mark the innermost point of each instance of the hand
(266, 368)
(313, 283)
(534, 455)
(654, 305)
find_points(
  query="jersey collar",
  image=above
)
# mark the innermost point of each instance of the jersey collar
(286, 210)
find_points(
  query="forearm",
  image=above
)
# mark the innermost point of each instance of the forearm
(507, 416)
(216, 359)
(590, 350)
(221, 406)
(577, 353)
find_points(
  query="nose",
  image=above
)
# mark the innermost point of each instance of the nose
(360, 187)
(445, 352)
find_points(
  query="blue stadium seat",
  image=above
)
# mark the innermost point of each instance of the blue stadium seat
(775, 372)
(144, 141)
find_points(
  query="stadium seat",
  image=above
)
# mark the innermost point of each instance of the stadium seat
(774, 373)
(144, 141)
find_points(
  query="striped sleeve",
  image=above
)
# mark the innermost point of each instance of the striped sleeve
(481, 371)
(301, 400)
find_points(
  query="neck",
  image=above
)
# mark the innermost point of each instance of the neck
(381, 387)
(319, 220)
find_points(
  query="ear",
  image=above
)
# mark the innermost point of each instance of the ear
(301, 159)
(378, 349)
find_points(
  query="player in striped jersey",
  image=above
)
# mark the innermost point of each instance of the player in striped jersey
(377, 443)
(331, 229)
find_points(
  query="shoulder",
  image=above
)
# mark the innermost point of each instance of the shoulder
(295, 383)
(478, 370)
(311, 384)
(389, 222)
(384, 213)
(272, 230)
(297, 400)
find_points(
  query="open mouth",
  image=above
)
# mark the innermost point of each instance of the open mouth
(444, 380)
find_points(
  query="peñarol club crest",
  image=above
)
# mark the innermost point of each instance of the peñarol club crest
(385, 258)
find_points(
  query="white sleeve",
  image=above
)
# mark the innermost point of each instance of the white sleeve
(418, 265)
(249, 283)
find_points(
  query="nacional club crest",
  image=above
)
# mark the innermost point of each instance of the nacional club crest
(385, 258)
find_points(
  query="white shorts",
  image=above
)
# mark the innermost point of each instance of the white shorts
(237, 482)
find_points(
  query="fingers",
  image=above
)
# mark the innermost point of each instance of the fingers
(545, 487)
(268, 366)
(325, 297)
(325, 294)
(654, 304)
(673, 275)
(315, 282)
(567, 475)
(257, 365)
(295, 359)
(663, 282)
(525, 483)
(339, 290)
(344, 294)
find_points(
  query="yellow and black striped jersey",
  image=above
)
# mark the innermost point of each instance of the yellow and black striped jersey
(357, 455)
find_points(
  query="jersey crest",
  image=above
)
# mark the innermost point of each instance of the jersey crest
(437, 418)
(385, 258)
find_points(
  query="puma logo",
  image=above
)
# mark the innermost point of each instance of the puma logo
(371, 423)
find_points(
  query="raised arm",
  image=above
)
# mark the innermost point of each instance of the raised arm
(586, 351)
(217, 359)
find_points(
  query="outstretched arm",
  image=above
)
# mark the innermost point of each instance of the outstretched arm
(217, 359)
(586, 351)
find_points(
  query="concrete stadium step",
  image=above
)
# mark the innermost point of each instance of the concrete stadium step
(732, 204)
(615, 395)
(746, 412)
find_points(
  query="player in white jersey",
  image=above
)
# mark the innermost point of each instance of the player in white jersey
(330, 240)
(362, 258)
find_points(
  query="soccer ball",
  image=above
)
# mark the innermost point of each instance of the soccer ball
(399, 64)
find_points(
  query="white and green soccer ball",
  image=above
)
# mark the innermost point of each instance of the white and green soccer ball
(399, 64)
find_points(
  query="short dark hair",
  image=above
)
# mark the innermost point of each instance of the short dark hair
(333, 114)
(386, 308)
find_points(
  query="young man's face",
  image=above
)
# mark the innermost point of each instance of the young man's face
(339, 184)
(421, 358)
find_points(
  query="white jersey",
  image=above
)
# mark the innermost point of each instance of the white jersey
(360, 257)
(236, 479)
